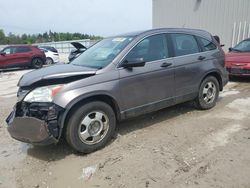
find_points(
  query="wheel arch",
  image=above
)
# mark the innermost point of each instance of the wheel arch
(215, 74)
(86, 99)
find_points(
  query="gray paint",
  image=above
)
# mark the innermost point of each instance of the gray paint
(216, 16)
(54, 72)
(135, 91)
(126, 86)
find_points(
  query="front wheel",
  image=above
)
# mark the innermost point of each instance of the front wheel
(208, 93)
(90, 127)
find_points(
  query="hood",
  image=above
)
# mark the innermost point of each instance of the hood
(56, 74)
(238, 57)
(78, 45)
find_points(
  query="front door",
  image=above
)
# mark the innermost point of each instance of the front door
(8, 57)
(151, 87)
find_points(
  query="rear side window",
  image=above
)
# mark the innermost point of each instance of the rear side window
(207, 45)
(22, 49)
(184, 44)
(152, 48)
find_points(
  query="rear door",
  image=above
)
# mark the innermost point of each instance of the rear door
(150, 87)
(187, 61)
(22, 55)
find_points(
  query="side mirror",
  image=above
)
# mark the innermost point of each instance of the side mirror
(137, 62)
(230, 49)
(2, 53)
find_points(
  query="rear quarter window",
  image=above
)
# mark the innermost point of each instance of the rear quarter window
(206, 44)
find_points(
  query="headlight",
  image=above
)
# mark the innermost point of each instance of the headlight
(43, 94)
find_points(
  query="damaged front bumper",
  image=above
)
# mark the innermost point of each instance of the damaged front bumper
(36, 123)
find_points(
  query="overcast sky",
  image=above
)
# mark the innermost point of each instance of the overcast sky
(99, 17)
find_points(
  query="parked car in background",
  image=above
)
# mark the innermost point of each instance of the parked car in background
(50, 48)
(22, 56)
(238, 59)
(116, 79)
(51, 56)
(78, 51)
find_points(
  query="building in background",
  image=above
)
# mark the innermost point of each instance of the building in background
(229, 19)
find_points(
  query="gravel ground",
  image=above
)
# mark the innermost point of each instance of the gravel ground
(175, 147)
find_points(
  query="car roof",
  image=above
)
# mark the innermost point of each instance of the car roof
(19, 46)
(248, 39)
(158, 30)
(46, 47)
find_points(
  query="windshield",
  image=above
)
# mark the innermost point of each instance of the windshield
(243, 46)
(102, 53)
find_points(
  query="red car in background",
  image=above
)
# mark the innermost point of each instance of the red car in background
(21, 56)
(238, 59)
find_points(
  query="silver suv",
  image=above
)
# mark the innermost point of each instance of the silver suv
(117, 78)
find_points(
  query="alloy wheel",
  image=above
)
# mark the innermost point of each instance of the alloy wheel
(93, 127)
(209, 92)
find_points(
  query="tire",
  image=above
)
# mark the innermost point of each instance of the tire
(49, 61)
(208, 93)
(90, 127)
(37, 63)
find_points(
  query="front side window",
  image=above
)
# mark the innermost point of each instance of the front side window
(102, 53)
(243, 46)
(207, 45)
(184, 44)
(152, 48)
(8, 50)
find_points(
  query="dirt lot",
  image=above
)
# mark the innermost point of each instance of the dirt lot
(174, 147)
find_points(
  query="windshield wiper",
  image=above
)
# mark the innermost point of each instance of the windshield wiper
(99, 68)
(88, 66)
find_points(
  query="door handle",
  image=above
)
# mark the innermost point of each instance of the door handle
(166, 64)
(201, 58)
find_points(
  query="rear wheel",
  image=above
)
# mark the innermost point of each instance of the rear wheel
(37, 63)
(90, 127)
(208, 93)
